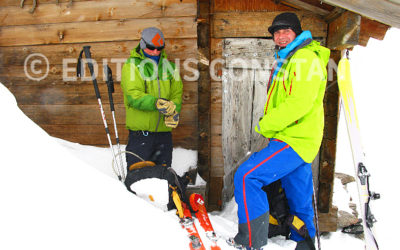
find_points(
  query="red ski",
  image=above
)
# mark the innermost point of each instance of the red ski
(187, 223)
(198, 206)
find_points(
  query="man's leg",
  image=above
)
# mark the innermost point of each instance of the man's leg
(299, 192)
(261, 169)
(162, 153)
(138, 143)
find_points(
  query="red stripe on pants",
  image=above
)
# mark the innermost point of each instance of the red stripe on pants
(244, 187)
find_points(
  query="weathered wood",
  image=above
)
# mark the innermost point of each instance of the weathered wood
(215, 190)
(28, 3)
(256, 25)
(96, 11)
(217, 159)
(116, 51)
(371, 28)
(298, 4)
(113, 30)
(387, 12)
(328, 146)
(57, 74)
(344, 31)
(247, 68)
(248, 5)
(81, 94)
(183, 136)
(328, 221)
(216, 114)
(335, 13)
(204, 124)
(88, 114)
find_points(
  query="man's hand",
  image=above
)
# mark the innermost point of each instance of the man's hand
(172, 121)
(165, 107)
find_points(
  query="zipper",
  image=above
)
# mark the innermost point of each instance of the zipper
(159, 96)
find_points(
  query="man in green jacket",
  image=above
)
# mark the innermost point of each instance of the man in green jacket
(293, 120)
(153, 99)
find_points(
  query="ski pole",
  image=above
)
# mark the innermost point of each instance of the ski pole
(86, 50)
(110, 87)
(316, 218)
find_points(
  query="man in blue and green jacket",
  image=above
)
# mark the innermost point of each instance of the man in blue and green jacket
(293, 120)
(153, 99)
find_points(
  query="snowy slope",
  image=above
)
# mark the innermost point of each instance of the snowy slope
(52, 200)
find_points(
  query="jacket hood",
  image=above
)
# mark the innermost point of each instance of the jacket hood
(322, 52)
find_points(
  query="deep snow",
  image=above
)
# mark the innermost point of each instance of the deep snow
(61, 195)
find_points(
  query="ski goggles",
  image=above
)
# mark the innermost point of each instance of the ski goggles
(152, 47)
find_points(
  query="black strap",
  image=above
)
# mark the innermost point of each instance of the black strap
(110, 86)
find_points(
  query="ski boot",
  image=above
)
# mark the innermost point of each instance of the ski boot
(231, 242)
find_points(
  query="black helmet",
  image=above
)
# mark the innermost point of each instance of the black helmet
(284, 21)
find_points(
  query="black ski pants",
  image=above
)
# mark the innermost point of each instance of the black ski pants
(151, 146)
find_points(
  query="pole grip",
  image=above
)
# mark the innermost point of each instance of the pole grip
(88, 56)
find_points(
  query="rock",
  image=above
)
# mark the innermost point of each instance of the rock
(345, 178)
(346, 219)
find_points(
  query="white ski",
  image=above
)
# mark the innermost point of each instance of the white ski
(362, 175)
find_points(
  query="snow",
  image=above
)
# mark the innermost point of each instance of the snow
(62, 195)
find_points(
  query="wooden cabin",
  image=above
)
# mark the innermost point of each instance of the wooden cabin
(218, 107)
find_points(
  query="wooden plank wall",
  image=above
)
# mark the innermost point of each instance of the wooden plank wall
(67, 108)
(238, 19)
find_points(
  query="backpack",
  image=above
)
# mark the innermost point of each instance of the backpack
(148, 169)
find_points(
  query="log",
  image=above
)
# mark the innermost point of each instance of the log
(98, 31)
(15, 55)
(328, 221)
(100, 10)
(256, 24)
(371, 28)
(387, 12)
(344, 31)
(28, 3)
(89, 114)
(183, 136)
(249, 5)
(57, 74)
(204, 125)
(81, 94)
(298, 4)
(215, 193)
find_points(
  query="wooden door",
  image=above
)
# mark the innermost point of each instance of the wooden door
(248, 65)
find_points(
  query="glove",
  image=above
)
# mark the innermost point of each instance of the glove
(165, 107)
(172, 121)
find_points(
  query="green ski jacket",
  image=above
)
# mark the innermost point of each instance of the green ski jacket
(294, 110)
(143, 82)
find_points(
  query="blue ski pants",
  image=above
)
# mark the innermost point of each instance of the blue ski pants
(276, 161)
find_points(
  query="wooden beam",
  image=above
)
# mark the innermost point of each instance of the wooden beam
(80, 94)
(335, 13)
(89, 114)
(248, 5)
(344, 31)
(298, 4)
(256, 24)
(387, 12)
(328, 146)
(96, 11)
(55, 53)
(113, 30)
(183, 136)
(371, 28)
